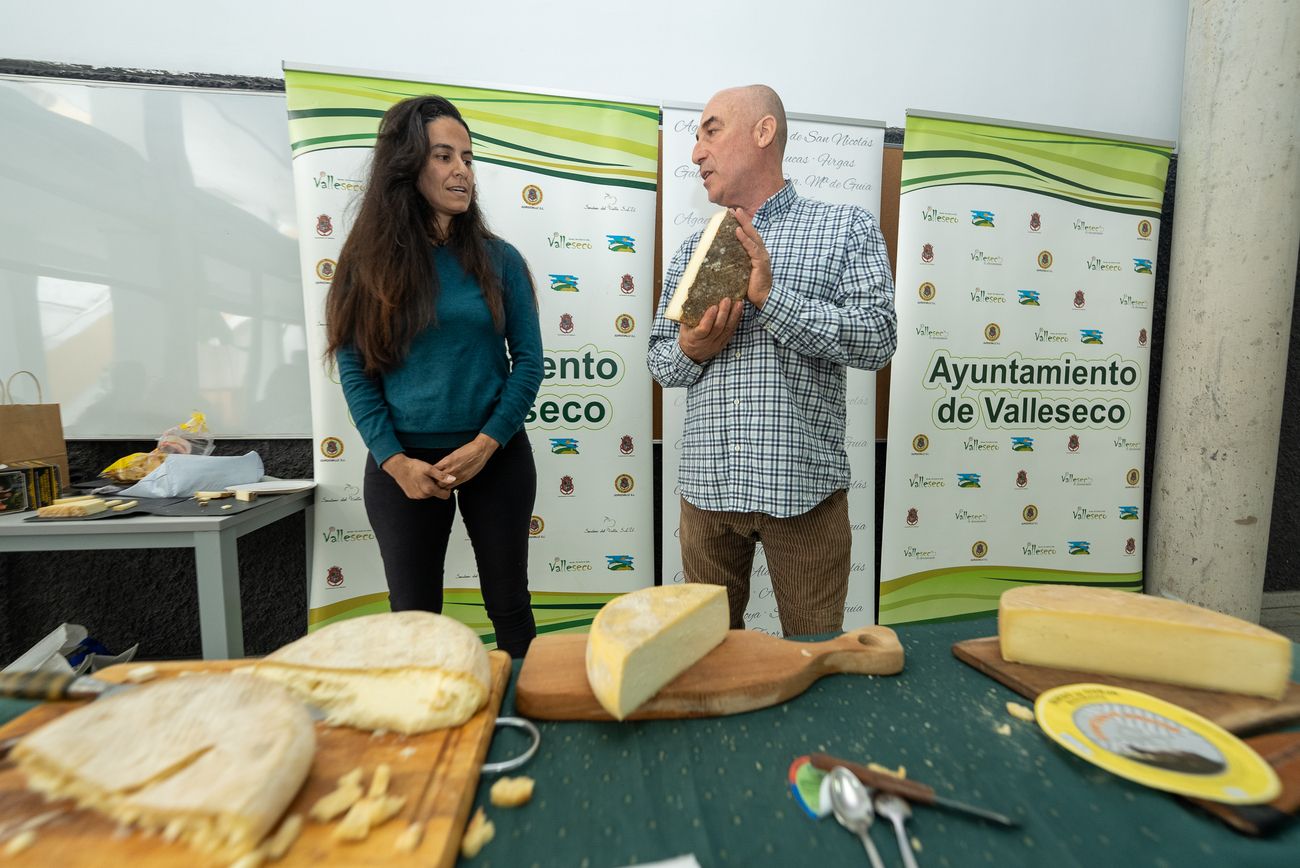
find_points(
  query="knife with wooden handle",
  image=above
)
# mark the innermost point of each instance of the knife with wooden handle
(55, 686)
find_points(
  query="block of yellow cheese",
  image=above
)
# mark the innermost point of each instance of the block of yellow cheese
(1139, 636)
(407, 672)
(642, 640)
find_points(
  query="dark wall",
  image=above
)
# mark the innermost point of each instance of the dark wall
(149, 596)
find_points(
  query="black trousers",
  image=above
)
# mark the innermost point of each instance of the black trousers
(496, 505)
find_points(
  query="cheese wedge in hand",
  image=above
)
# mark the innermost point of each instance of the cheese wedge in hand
(211, 760)
(642, 640)
(407, 672)
(718, 268)
(1139, 636)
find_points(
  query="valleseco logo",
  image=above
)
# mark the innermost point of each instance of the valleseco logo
(564, 282)
(334, 577)
(536, 525)
(1022, 479)
(1035, 222)
(566, 323)
(1091, 336)
(927, 253)
(926, 291)
(920, 443)
(1133, 477)
(968, 480)
(325, 269)
(532, 195)
(982, 218)
(324, 226)
(1028, 297)
(980, 550)
(1079, 302)
(913, 518)
(626, 285)
(1142, 337)
(1144, 228)
(1141, 266)
(624, 483)
(621, 243)
(566, 486)
(1044, 260)
(625, 444)
(624, 323)
(992, 332)
(1029, 514)
(618, 562)
(1128, 513)
(1022, 444)
(564, 445)
(1079, 546)
(1072, 444)
(331, 448)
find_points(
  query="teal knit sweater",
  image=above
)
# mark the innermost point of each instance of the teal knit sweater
(461, 377)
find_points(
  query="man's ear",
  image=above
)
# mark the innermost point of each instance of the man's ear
(765, 131)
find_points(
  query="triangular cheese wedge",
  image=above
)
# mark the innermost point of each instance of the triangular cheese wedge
(403, 671)
(211, 760)
(642, 640)
(719, 268)
(1140, 636)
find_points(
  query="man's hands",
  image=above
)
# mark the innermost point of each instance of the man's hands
(760, 264)
(713, 333)
(420, 480)
(719, 322)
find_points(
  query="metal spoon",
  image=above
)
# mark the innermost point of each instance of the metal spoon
(851, 804)
(895, 809)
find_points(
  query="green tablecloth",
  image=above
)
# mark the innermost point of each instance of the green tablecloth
(615, 794)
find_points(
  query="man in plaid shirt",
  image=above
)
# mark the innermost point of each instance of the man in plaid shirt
(763, 449)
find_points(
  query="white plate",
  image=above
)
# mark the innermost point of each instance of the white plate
(275, 486)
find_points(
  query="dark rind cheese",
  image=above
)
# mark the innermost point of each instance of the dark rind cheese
(719, 268)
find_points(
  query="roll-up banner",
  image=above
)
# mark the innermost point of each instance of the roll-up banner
(1018, 399)
(570, 182)
(836, 160)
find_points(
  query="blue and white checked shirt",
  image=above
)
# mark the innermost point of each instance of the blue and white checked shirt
(765, 417)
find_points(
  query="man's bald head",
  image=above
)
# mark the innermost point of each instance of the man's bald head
(740, 145)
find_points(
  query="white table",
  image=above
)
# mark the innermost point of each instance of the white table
(213, 538)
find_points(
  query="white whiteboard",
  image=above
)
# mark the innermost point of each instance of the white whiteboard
(149, 258)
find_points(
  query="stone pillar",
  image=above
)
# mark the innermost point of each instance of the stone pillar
(1231, 286)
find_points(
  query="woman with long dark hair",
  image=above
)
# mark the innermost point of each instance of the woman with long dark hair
(432, 321)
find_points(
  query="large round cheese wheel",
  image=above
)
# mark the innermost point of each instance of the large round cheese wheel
(211, 760)
(402, 671)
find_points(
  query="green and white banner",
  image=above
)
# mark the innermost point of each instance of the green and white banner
(571, 183)
(835, 160)
(1018, 397)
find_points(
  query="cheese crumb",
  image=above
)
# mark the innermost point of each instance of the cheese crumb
(512, 792)
(409, 840)
(1023, 712)
(20, 842)
(900, 772)
(1003, 729)
(284, 837)
(477, 834)
(141, 674)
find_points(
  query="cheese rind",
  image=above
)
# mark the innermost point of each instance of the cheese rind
(407, 672)
(1139, 636)
(642, 640)
(212, 759)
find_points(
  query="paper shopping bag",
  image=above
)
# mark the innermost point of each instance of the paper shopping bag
(32, 432)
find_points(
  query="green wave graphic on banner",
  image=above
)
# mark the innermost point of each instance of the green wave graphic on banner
(957, 593)
(1125, 177)
(555, 612)
(531, 132)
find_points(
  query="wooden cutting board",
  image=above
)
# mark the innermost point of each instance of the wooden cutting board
(1234, 712)
(749, 670)
(437, 772)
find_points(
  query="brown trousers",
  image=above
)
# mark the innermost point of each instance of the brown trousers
(807, 559)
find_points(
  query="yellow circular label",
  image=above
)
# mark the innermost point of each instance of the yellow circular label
(1155, 743)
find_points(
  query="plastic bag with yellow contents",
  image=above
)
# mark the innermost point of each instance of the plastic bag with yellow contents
(188, 438)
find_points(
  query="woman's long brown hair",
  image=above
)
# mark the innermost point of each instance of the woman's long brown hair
(385, 289)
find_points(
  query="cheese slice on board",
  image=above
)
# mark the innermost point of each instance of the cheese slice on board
(407, 672)
(1139, 636)
(211, 760)
(642, 640)
(719, 268)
